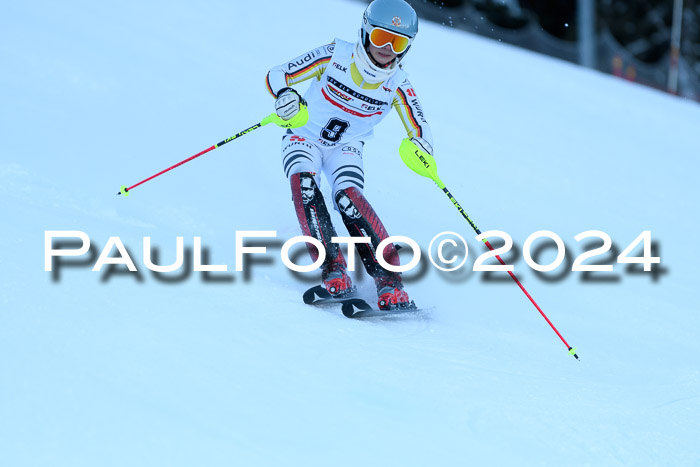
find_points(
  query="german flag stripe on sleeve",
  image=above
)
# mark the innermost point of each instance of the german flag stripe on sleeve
(320, 61)
(409, 112)
(267, 82)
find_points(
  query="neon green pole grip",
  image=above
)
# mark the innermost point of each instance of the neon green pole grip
(419, 161)
(299, 120)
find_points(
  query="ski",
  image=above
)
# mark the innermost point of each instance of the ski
(351, 311)
(318, 295)
(353, 307)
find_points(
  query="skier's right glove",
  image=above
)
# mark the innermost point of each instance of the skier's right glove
(288, 103)
(290, 110)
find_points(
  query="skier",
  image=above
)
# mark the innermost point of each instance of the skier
(354, 87)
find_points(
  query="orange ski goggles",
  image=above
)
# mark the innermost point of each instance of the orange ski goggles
(380, 37)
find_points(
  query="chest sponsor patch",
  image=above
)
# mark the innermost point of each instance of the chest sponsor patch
(348, 90)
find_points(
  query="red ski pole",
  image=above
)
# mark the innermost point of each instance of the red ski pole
(423, 164)
(298, 120)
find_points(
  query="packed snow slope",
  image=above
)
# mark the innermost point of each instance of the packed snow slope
(230, 368)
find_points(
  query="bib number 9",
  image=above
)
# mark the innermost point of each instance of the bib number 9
(334, 130)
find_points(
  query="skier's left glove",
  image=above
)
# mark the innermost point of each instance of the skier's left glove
(417, 155)
(422, 144)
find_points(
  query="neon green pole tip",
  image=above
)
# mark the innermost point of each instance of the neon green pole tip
(572, 351)
(124, 190)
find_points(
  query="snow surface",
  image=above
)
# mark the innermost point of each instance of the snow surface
(117, 368)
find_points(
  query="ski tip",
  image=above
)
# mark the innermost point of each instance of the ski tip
(355, 308)
(315, 293)
(348, 310)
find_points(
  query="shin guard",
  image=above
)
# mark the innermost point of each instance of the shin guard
(361, 221)
(313, 216)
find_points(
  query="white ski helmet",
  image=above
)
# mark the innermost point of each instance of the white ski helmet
(395, 16)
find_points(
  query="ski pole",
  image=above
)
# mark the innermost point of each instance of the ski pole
(298, 120)
(423, 164)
